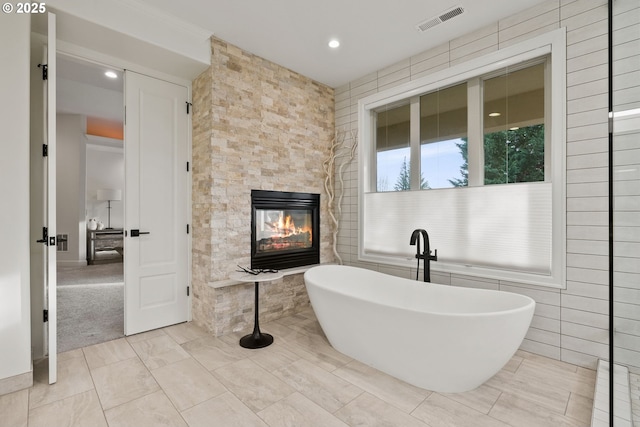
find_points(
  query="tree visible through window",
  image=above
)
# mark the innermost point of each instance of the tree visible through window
(514, 139)
(404, 179)
(510, 156)
(464, 169)
(514, 155)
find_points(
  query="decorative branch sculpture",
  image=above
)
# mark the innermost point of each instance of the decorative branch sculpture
(329, 165)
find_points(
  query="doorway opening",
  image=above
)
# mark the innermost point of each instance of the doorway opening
(90, 194)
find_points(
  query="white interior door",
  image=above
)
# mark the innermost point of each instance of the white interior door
(49, 173)
(156, 203)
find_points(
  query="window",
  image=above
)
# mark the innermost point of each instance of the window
(443, 137)
(512, 105)
(392, 148)
(480, 146)
(514, 139)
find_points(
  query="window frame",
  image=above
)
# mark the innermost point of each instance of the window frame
(551, 44)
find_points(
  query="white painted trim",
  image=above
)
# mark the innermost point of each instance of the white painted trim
(143, 22)
(51, 251)
(189, 191)
(108, 47)
(96, 57)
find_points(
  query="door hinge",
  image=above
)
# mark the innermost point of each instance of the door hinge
(187, 228)
(45, 316)
(45, 150)
(187, 166)
(189, 105)
(45, 71)
(187, 291)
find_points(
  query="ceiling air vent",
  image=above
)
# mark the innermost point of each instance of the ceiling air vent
(444, 16)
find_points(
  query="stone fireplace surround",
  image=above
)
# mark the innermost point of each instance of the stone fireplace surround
(256, 125)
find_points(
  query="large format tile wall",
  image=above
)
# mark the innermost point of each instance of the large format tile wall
(569, 324)
(626, 96)
(256, 125)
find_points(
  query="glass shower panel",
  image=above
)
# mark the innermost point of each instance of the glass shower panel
(626, 197)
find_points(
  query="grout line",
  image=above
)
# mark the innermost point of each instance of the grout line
(566, 407)
(84, 356)
(494, 403)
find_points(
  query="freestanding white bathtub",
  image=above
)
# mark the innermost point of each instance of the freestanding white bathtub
(441, 338)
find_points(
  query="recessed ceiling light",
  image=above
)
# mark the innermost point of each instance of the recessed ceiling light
(111, 74)
(495, 114)
(334, 43)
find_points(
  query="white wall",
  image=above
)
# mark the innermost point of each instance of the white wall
(70, 207)
(15, 330)
(569, 324)
(105, 169)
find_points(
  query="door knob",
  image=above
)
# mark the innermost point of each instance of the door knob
(136, 233)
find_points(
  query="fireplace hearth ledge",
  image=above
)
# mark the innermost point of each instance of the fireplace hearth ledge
(287, 272)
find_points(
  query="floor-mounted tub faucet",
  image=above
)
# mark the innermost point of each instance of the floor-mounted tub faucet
(425, 255)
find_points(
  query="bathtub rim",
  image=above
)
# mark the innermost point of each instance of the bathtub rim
(529, 301)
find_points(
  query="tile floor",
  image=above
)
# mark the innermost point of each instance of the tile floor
(180, 376)
(622, 405)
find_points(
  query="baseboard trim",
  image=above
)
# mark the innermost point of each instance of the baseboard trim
(16, 383)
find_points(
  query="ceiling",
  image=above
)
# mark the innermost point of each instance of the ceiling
(373, 33)
(82, 88)
(88, 73)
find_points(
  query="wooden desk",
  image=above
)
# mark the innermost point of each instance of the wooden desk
(111, 239)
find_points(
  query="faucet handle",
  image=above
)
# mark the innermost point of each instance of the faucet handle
(434, 257)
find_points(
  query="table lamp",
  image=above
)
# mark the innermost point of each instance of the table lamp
(109, 195)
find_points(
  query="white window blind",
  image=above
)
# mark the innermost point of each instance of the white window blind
(500, 226)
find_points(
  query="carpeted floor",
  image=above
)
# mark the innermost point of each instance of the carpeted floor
(90, 305)
(90, 274)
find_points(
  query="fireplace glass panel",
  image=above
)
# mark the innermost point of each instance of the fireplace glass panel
(283, 230)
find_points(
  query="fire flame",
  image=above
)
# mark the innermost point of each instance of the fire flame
(285, 226)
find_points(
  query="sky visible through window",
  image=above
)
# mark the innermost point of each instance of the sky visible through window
(440, 161)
